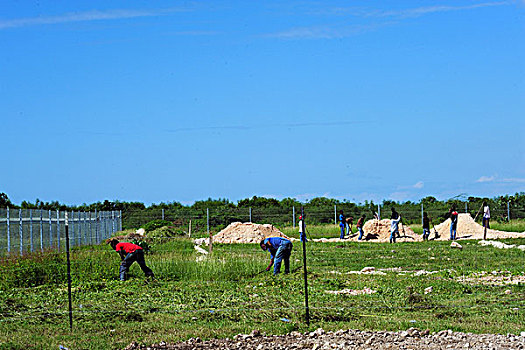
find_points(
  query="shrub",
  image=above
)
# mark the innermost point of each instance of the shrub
(155, 224)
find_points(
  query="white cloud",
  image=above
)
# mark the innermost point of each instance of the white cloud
(85, 16)
(419, 184)
(513, 180)
(337, 32)
(326, 32)
(486, 179)
(399, 196)
(420, 11)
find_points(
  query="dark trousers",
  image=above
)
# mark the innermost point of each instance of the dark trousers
(138, 256)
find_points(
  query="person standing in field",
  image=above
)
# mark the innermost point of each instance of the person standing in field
(129, 253)
(426, 226)
(486, 215)
(360, 224)
(280, 249)
(342, 224)
(453, 215)
(302, 229)
(394, 226)
(349, 225)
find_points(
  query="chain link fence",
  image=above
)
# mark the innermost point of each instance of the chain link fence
(30, 230)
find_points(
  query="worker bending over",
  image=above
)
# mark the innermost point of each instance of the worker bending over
(280, 249)
(129, 253)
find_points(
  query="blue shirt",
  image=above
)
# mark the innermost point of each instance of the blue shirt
(276, 243)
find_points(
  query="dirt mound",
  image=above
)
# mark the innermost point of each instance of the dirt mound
(247, 232)
(379, 230)
(468, 228)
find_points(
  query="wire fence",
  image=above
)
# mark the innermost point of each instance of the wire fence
(225, 284)
(204, 219)
(30, 230)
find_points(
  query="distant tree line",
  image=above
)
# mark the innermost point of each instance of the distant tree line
(270, 210)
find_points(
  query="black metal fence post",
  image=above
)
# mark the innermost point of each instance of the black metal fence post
(307, 309)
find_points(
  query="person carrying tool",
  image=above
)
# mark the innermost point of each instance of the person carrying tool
(302, 235)
(426, 226)
(486, 215)
(129, 253)
(360, 224)
(280, 249)
(394, 226)
(342, 224)
(453, 215)
(349, 225)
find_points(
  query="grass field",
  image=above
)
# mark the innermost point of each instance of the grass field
(228, 294)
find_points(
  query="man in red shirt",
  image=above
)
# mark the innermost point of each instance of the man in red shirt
(129, 253)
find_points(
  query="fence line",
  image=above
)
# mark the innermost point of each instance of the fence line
(92, 227)
(288, 216)
(86, 229)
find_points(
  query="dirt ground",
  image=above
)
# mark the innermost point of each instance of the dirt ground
(351, 339)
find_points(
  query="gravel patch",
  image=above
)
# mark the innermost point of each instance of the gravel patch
(411, 338)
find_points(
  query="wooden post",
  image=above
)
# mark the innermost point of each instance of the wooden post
(189, 229)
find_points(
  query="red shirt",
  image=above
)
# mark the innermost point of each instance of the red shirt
(127, 247)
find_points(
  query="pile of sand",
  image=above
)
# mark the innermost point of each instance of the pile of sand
(379, 230)
(247, 232)
(469, 229)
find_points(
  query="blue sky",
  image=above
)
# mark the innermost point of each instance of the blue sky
(151, 101)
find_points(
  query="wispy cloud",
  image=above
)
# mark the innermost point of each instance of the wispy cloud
(420, 11)
(419, 185)
(513, 180)
(399, 196)
(268, 126)
(486, 179)
(86, 16)
(331, 31)
(408, 12)
(326, 32)
(496, 179)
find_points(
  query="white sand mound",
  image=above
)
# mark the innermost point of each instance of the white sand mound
(379, 230)
(247, 232)
(469, 229)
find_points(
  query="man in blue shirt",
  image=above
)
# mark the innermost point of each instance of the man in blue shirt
(342, 224)
(280, 249)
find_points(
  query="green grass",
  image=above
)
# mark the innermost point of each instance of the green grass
(226, 294)
(516, 225)
(316, 231)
